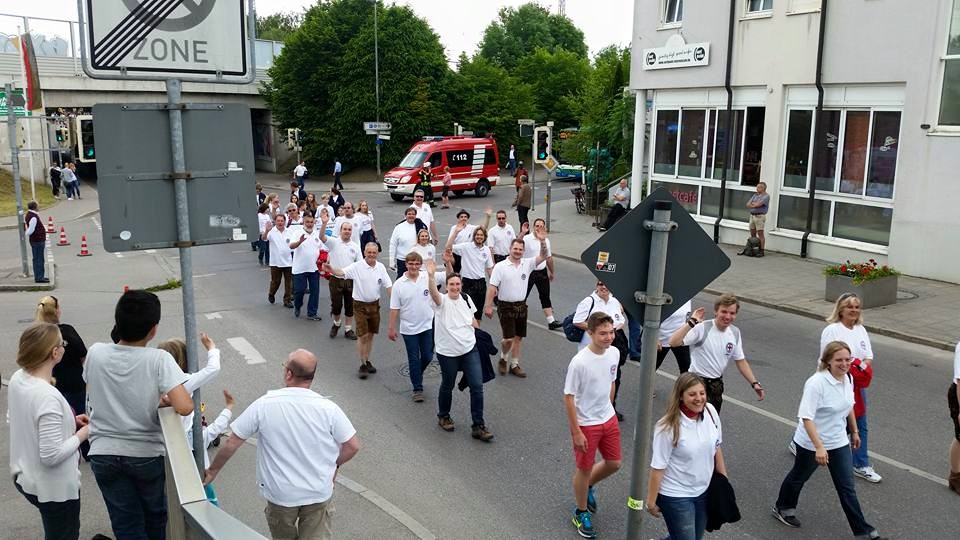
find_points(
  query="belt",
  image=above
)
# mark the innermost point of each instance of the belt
(505, 303)
(355, 302)
(758, 213)
(475, 280)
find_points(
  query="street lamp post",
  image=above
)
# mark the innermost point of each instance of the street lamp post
(376, 75)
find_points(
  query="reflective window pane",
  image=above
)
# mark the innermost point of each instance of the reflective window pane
(854, 152)
(733, 173)
(864, 223)
(953, 40)
(691, 143)
(735, 203)
(792, 214)
(673, 11)
(753, 146)
(828, 138)
(665, 153)
(950, 94)
(685, 194)
(884, 146)
(711, 135)
(798, 149)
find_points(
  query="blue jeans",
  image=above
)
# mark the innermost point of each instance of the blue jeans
(78, 402)
(841, 472)
(307, 282)
(264, 252)
(61, 520)
(860, 458)
(469, 364)
(512, 165)
(419, 353)
(135, 494)
(636, 329)
(686, 517)
(300, 182)
(38, 255)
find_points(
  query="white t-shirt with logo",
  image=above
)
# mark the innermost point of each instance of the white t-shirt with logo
(589, 377)
(300, 435)
(453, 326)
(427, 252)
(611, 307)
(474, 260)
(466, 235)
(687, 468)
(412, 298)
(299, 170)
(531, 249)
(711, 357)
(342, 254)
(305, 255)
(499, 238)
(425, 213)
(857, 339)
(367, 280)
(280, 254)
(365, 221)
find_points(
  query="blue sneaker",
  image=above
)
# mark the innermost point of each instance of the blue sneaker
(583, 521)
(591, 501)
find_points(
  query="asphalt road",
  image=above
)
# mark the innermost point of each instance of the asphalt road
(519, 485)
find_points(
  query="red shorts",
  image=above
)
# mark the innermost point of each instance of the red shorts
(604, 437)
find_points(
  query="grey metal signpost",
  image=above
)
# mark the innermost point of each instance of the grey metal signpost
(15, 167)
(654, 259)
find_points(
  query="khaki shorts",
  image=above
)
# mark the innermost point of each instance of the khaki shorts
(757, 221)
(366, 316)
(513, 319)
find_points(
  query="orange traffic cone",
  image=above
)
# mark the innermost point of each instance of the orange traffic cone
(50, 228)
(83, 247)
(63, 238)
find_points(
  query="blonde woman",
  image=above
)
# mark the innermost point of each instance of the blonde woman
(368, 231)
(686, 452)
(826, 416)
(424, 247)
(45, 434)
(68, 373)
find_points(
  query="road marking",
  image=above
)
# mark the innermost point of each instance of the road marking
(4, 382)
(214, 315)
(203, 275)
(788, 422)
(97, 223)
(149, 251)
(239, 251)
(389, 508)
(119, 255)
(246, 350)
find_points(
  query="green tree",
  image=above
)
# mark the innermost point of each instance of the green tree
(557, 78)
(518, 33)
(278, 26)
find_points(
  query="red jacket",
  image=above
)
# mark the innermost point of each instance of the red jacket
(862, 374)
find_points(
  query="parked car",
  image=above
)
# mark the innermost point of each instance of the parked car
(473, 163)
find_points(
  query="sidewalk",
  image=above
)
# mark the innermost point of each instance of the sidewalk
(925, 311)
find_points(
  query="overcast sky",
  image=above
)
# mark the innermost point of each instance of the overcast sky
(459, 23)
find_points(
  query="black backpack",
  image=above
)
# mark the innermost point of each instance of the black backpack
(751, 248)
(573, 333)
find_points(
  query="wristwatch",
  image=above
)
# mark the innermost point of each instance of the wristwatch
(691, 322)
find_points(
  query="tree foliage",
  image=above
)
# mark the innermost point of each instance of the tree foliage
(557, 77)
(278, 26)
(518, 33)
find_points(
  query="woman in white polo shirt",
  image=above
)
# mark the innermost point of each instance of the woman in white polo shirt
(686, 452)
(826, 414)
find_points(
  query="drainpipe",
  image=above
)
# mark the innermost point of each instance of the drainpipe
(817, 126)
(728, 151)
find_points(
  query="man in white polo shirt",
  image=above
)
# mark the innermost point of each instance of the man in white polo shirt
(499, 237)
(343, 252)
(281, 260)
(349, 217)
(306, 245)
(369, 276)
(508, 282)
(294, 425)
(713, 344)
(476, 262)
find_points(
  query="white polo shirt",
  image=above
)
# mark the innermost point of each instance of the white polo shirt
(305, 255)
(499, 238)
(588, 380)
(343, 254)
(956, 364)
(299, 170)
(827, 402)
(453, 326)
(404, 237)
(687, 468)
(367, 280)
(365, 221)
(424, 212)
(611, 307)
(474, 259)
(857, 339)
(355, 221)
(511, 279)
(280, 254)
(672, 323)
(300, 435)
(466, 235)
(531, 249)
(262, 220)
(710, 359)
(413, 300)
(427, 252)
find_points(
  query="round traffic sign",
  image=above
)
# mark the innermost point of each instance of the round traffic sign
(199, 10)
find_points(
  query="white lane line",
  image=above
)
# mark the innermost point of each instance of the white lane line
(246, 350)
(196, 276)
(213, 315)
(97, 223)
(149, 251)
(119, 255)
(789, 422)
(4, 382)
(389, 508)
(239, 251)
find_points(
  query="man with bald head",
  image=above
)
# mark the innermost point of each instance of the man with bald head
(343, 251)
(297, 424)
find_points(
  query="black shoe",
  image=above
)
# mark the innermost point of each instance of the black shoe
(790, 521)
(42, 280)
(601, 229)
(271, 298)
(760, 253)
(296, 312)
(362, 372)
(288, 305)
(350, 334)
(370, 368)
(555, 325)
(314, 317)
(635, 359)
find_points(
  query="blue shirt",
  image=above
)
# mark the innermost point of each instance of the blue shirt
(337, 167)
(762, 209)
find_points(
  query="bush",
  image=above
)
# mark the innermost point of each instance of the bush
(860, 272)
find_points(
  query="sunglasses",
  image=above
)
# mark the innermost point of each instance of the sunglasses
(846, 296)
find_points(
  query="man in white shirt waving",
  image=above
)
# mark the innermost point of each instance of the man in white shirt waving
(343, 252)
(296, 423)
(713, 344)
(306, 245)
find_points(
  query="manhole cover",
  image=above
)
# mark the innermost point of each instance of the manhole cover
(907, 295)
(432, 372)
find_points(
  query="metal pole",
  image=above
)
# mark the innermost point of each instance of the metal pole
(653, 298)
(549, 187)
(376, 75)
(15, 169)
(596, 188)
(186, 261)
(532, 175)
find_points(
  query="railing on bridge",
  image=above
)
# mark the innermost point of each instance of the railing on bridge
(57, 44)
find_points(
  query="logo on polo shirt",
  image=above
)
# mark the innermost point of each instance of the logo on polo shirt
(523, 276)
(616, 317)
(379, 281)
(729, 347)
(426, 292)
(863, 344)
(613, 371)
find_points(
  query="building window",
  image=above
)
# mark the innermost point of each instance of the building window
(720, 150)
(665, 151)
(950, 94)
(691, 143)
(672, 11)
(884, 147)
(797, 161)
(755, 6)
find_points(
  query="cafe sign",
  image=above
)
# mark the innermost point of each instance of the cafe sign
(676, 54)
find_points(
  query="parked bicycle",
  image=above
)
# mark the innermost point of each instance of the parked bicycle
(578, 201)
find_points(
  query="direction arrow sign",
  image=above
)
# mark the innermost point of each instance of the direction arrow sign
(620, 257)
(190, 40)
(377, 126)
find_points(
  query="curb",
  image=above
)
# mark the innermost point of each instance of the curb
(883, 331)
(33, 287)
(77, 218)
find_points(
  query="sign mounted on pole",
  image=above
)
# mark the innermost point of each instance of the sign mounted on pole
(190, 40)
(377, 126)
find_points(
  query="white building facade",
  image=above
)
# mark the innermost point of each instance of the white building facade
(885, 156)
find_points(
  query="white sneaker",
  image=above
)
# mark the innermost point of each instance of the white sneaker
(867, 473)
(792, 447)
(69, 198)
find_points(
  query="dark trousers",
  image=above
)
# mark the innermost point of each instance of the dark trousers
(285, 272)
(469, 364)
(841, 472)
(476, 289)
(134, 491)
(78, 402)
(635, 328)
(55, 186)
(542, 282)
(714, 388)
(522, 214)
(419, 353)
(336, 181)
(303, 283)
(617, 211)
(682, 354)
(301, 181)
(263, 254)
(622, 344)
(401, 267)
(341, 296)
(38, 254)
(61, 520)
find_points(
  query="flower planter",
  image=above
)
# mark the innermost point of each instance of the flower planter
(873, 293)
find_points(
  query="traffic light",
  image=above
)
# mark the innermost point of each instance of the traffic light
(85, 145)
(543, 138)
